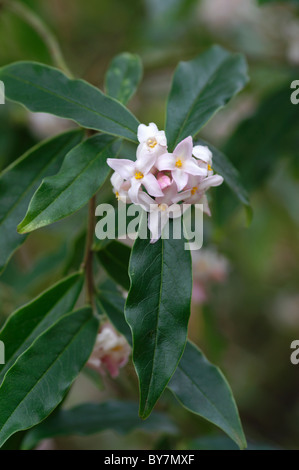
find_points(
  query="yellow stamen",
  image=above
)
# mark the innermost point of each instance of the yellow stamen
(210, 168)
(193, 190)
(117, 195)
(152, 143)
(139, 175)
(162, 207)
(179, 163)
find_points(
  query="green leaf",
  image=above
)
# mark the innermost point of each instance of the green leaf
(41, 376)
(200, 88)
(41, 88)
(115, 260)
(111, 303)
(123, 76)
(259, 143)
(261, 140)
(19, 181)
(91, 418)
(198, 385)
(158, 310)
(202, 388)
(28, 322)
(83, 172)
(223, 166)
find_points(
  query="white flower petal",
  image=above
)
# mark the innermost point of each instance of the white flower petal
(143, 133)
(210, 181)
(116, 181)
(134, 190)
(203, 153)
(184, 149)
(152, 186)
(122, 166)
(206, 208)
(145, 161)
(166, 162)
(154, 225)
(182, 196)
(181, 178)
(191, 167)
(146, 202)
(161, 138)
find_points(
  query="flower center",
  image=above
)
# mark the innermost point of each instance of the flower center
(139, 175)
(179, 163)
(152, 142)
(163, 207)
(193, 190)
(210, 168)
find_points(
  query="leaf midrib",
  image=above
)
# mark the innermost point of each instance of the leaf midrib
(45, 372)
(90, 162)
(208, 83)
(34, 180)
(32, 332)
(157, 329)
(208, 400)
(72, 101)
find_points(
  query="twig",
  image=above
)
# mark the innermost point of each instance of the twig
(88, 258)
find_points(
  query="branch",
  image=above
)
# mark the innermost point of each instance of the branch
(88, 258)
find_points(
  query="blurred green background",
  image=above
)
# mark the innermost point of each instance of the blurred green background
(248, 321)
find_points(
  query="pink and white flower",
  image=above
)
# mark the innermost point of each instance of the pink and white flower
(137, 173)
(120, 188)
(181, 163)
(161, 210)
(151, 139)
(111, 352)
(159, 181)
(197, 187)
(204, 157)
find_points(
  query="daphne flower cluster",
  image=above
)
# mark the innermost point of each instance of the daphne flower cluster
(111, 352)
(159, 181)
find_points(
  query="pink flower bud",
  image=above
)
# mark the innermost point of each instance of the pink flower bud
(163, 180)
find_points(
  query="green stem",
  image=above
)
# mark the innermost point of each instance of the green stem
(42, 30)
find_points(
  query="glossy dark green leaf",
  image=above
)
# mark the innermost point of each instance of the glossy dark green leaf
(123, 76)
(261, 140)
(83, 172)
(258, 144)
(91, 418)
(200, 88)
(223, 166)
(198, 385)
(111, 303)
(28, 322)
(39, 379)
(19, 181)
(158, 310)
(45, 89)
(202, 388)
(115, 260)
